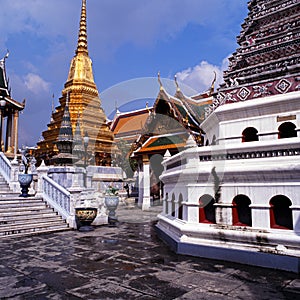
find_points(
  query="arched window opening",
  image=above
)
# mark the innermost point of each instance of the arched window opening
(281, 216)
(249, 135)
(173, 206)
(241, 212)
(207, 143)
(287, 130)
(180, 207)
(214, 140)
(166, 203)
(207, 212)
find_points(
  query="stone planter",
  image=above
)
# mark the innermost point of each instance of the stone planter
(111, 203)
(130, 202)
(84, 217)
(25, 181)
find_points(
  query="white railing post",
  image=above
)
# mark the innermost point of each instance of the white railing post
(74, 191)
(74, 197)
(42, 171)
(14, 172)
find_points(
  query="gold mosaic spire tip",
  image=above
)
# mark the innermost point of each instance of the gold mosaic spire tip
(82, 45)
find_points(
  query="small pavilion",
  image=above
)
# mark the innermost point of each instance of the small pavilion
(171, 122)
(9, 115)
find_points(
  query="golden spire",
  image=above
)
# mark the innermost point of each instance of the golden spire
(82, 45)
(81, 66)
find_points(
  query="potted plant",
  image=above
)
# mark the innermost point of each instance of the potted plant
(111, 202)
(24, 178)
(85, 214)
(84, 218)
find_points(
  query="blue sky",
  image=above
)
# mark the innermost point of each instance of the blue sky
(129, 42)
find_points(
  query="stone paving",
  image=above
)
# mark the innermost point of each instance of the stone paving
(127, 262)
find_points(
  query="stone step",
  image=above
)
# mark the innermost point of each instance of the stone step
(20, 203)
(3, 184)
(33, 229)
(14, 195)
(24, 210)
(15, 198)
(31, 224)
(21, 218)
(26, 216)
(9, 195)
(39, 231)
(5, 191)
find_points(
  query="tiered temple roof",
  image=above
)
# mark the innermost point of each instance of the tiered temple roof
(267, 61)
(128, 125)
(5, 91)
(172, 120)
(84, 104)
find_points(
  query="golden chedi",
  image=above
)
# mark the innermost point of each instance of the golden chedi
(84, 107)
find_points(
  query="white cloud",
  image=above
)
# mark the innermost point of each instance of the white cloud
(36, 84)
(200, 77)
(113, 23)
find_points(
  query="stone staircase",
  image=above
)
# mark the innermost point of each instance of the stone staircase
(4, 187)
(26, 216)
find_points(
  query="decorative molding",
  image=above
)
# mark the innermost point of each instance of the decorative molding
(283, 86)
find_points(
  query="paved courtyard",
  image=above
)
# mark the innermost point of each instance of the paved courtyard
(127, 262)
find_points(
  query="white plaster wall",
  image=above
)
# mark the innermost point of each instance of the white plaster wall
(259, 178)
(267, 127)
(229, 121)
(296, 218)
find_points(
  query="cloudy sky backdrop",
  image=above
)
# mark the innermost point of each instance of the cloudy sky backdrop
(129, 40)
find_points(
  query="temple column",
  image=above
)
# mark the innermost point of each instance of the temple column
(141, 183)
(8, 133)
(15, 131)
(146, 194)
(1, 129)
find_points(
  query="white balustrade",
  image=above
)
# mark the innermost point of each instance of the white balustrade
(5, 167)
(57, 197)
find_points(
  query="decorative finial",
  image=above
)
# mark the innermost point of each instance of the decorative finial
(177, 85)
(212, 87)
(6, 55)
(2, 61)
(159, 80)
(82, 45)
(167, 155)
(147, 107)
(190, 142)
(52, 108)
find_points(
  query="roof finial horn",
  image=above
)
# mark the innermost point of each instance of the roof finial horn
(212, 87)
(176, 82)
(7, 54)
(159, 80)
